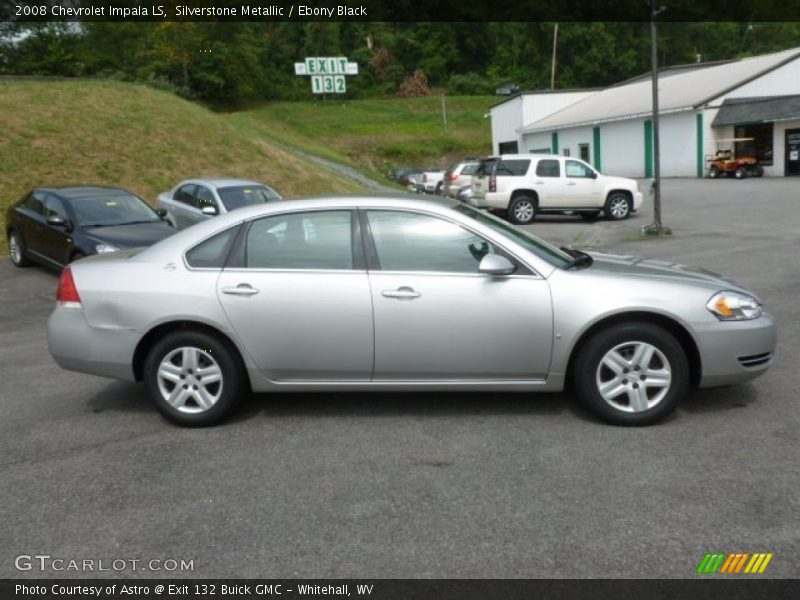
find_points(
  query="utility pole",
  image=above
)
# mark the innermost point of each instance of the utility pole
(553, 64)
(444, 114)
(656, 226)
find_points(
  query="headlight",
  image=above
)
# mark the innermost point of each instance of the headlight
(103, 248)
(733, 306)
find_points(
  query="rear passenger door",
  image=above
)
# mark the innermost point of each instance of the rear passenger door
(548, 183)
(30, 221)
(297, 294)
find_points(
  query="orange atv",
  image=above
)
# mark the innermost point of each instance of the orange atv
(725, 162)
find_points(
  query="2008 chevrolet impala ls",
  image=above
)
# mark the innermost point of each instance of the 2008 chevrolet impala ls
(399, 294)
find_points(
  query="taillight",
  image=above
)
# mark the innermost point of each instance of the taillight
(452, 177)
(492, 183)
(67, 291)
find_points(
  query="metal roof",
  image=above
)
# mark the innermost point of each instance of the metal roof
(543, 93)
(757, 110)
(678, 92)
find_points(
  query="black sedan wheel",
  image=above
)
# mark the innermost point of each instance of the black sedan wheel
(194, 378)
(634, 374)
(16, 250)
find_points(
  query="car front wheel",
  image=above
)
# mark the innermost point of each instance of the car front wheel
(634, 374)
(618, 206)
(16, 250)
(193, 378)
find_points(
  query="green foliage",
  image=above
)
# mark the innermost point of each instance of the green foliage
(231, 64)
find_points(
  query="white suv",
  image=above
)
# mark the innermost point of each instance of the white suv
(523, 185)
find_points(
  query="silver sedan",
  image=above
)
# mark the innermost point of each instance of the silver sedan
(400, 294)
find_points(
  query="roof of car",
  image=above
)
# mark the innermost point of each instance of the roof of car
(517, 156)
(74, 192)
(221, 182)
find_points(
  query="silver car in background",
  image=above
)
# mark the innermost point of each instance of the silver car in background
(359, 294)
(195, 200)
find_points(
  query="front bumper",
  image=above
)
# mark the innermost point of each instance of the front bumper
(77, 346)
(638, 198)
(735, 351)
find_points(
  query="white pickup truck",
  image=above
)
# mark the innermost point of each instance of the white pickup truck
(524, 185)
(430, 182)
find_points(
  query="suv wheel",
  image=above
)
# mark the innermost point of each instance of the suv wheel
(193, 378)
(618, 206)
(522, 210)
(634, 374)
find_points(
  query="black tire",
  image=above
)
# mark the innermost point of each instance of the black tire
(522, 210)
(618, 206)
(17, 250)
(438, 190)
(591, 216)
(209, 349)
(659, 401)
(740, 173)
(757, 171)
(713, 172)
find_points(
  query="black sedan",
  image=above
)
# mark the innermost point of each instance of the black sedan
(55, 226)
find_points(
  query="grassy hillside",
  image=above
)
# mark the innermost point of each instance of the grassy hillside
(107, 133)
(375, 135)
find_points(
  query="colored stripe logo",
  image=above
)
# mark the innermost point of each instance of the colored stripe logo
(734, 563)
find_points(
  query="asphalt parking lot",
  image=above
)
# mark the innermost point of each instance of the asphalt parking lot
(432, 485)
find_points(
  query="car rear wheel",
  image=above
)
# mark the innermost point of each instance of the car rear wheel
(634, 374)
(522, 210)
(16, 250)
(757, 171)
(193, 378)
(618, 206)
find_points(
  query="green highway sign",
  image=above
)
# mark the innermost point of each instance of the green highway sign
(327, 73)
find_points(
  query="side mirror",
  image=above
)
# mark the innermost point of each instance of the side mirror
(162, 213)
(209, 210)
(57, 221)
(494, 264)
(594, 174)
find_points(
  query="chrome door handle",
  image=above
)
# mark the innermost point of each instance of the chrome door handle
(402, 293)
(243, 289)
(539, 182)
(570, 183)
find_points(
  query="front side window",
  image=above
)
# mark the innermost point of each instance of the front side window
(310, 240)
(407, 241)
(34, 203)
(185, 194)
(548, 168)
(53, 206)
(573, 168)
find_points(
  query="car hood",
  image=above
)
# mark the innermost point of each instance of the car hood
(635, 266)
(622, 182)
(131, 236)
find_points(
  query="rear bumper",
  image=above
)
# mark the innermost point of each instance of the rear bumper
(77, 346)
(735, 351)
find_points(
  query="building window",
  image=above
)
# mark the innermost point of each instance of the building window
(507, 148)
(565, 152)
(583, 152)
(760, 146)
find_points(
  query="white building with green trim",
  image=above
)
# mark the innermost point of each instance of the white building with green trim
(699, 105)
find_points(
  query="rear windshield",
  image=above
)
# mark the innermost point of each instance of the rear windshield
(469, 169)
(486, 167)
(245, 195)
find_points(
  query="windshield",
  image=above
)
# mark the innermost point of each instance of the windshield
(112, 209)
(533, 244)
(245, 195)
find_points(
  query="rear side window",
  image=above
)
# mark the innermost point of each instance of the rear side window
(516, 168)
(486, 167)
(469, 169)
(548, 168)
(310, 240)
(211, 253)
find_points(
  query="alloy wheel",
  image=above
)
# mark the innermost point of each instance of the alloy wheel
(14, 250)
(633, 377)
(190, 380)
(523, 211)
(619, 207)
